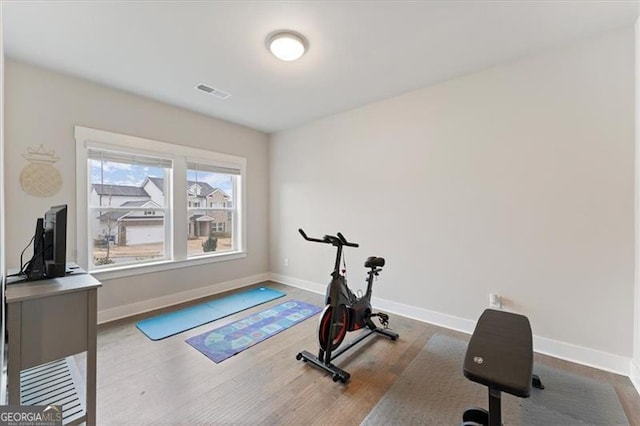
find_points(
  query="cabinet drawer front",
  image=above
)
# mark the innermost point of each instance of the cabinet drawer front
(53, 327)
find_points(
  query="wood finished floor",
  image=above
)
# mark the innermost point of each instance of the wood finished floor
(169, 382)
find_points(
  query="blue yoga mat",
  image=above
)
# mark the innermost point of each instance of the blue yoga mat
(166, 325)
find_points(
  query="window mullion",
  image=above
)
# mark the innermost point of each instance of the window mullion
(179, 208)
(238, 227)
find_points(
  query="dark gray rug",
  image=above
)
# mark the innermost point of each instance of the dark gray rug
(433, 391)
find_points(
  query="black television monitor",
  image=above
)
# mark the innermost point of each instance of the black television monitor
(55, 241)
(35, 267)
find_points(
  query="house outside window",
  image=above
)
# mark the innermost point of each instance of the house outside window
(211, 228)
(120, 227)
(134, 197)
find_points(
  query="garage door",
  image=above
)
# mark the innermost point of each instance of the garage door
(144, 235)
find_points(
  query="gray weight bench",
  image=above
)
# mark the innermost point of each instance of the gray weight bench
(499, 356)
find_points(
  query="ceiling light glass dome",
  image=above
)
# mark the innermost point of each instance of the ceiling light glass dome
(287, 45)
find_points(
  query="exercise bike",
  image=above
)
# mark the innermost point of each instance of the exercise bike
(344, 312)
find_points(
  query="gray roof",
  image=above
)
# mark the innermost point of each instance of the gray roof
(120, 190)
(201, 218)
(138, 203)
(159, 182)
(206, 188)
(115, 215)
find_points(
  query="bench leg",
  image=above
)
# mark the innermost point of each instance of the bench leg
(536, 382)
(480, 416)
(495, 407)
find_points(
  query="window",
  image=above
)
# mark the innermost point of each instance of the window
(133, 192)
(121, 199)
(217, 221)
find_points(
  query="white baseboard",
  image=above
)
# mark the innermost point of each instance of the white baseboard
(420, 314)
(586, 356)
(112, 314)
(298, 283)
(425, 315)
(635, 375)
(567, 351)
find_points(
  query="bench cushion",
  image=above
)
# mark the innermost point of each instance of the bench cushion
(500, 353)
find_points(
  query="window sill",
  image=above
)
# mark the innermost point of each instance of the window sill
(164, 265)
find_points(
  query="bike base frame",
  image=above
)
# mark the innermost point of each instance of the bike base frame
(324, 363)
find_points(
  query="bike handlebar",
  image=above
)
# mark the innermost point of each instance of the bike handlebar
(316, 240)
(329, 239)
(345, 242)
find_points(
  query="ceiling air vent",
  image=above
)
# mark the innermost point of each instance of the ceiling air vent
(213, 91)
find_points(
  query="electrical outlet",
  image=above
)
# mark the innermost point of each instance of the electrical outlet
(495, 301)
(286, 261)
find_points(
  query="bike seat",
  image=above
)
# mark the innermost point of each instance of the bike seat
(373, 262)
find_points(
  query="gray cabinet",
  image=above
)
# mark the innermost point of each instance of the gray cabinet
(48, 321)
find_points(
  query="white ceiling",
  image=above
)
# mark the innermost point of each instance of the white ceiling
(359, 51)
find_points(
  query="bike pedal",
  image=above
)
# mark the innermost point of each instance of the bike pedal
(384, 319)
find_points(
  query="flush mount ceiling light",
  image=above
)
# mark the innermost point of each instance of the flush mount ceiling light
(287, 45)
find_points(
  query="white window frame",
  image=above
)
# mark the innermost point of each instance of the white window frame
(235, 220)
(166, 210)
(176, 200)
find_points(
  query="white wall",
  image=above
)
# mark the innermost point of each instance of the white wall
(3, 377)
(517, 180)
(43, 107)
(635, 366)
